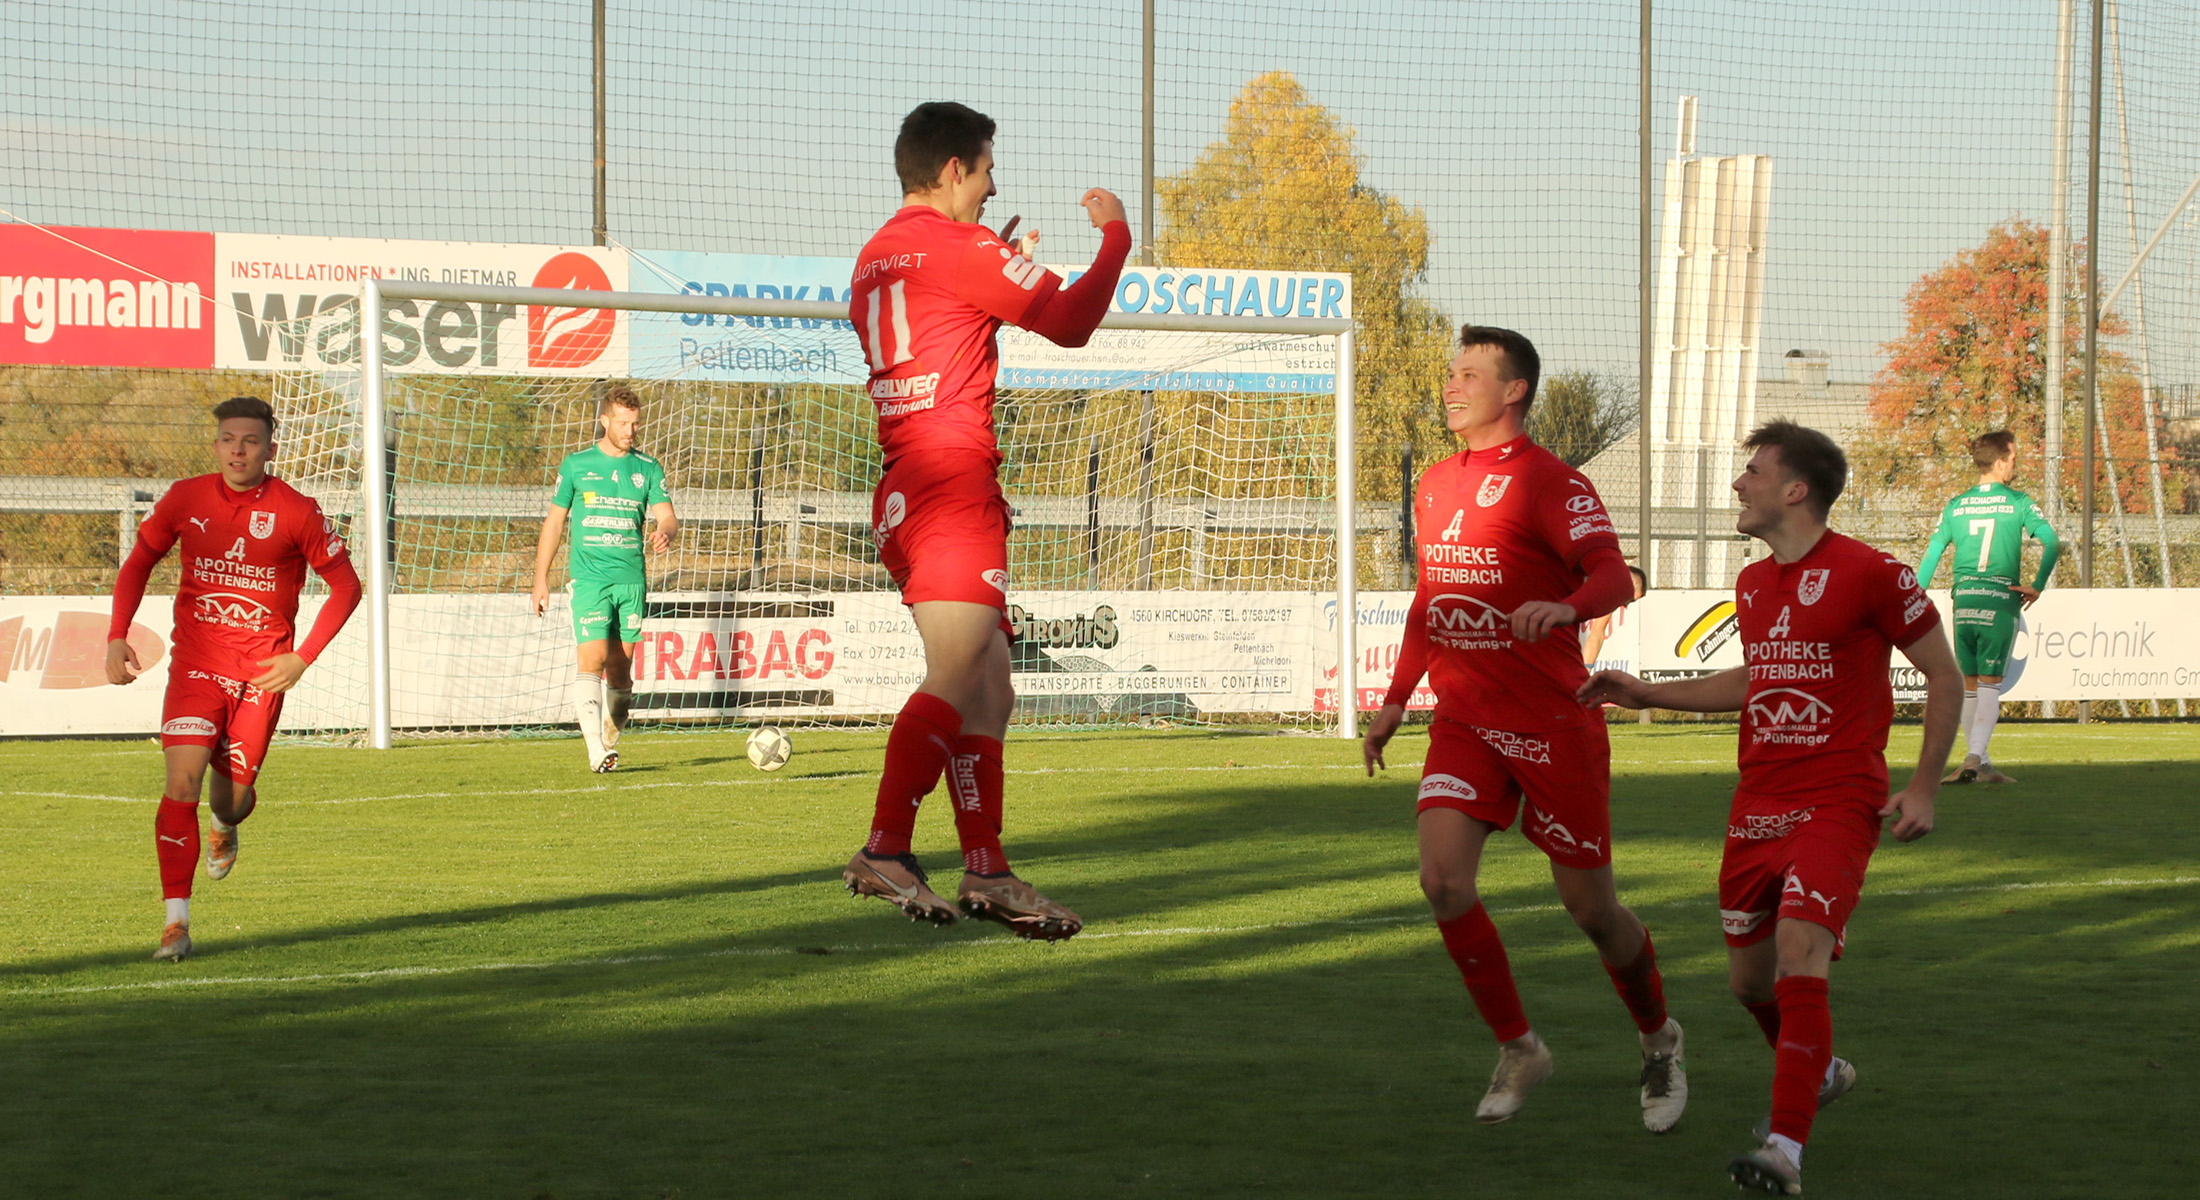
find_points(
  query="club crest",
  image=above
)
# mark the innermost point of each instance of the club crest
(1493, 490)
(1813, 585)
(263, 524)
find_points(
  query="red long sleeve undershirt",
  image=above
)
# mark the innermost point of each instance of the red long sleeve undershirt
(1608, 586)
(1068, 315)
(130, 588)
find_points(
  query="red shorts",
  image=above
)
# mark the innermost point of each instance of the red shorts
(1566, 775)
(1785, 860)
(942, 528)
(234, 718)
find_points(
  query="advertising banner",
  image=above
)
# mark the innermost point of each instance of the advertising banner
(106, 297)
(263, 280)
(488, 660)
(787, 350)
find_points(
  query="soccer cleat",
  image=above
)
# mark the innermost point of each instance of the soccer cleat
(1018, 905)
(1767, 1169)
(175, 943)
(1955, 775)
(1664, 1083)
(1987, 774)
(899, 881)
(606, 763)
(221, 851)
(1840, 1077)
(1968, 771)
(1517, 1073)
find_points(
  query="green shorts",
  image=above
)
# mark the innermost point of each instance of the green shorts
(604, 610)
(1984, 636)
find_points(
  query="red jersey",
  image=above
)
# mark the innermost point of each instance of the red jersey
(1497, 528)
(928, 296)
(1817, 634)
(244, 557)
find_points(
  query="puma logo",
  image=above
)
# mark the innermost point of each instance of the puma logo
(198, 521)
(177, 840)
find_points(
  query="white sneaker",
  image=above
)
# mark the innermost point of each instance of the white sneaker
(1517, 1073)
(1664, 1082)
(1767, 1169)
(1840, 1077)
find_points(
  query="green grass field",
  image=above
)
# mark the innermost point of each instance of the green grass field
(475, 970)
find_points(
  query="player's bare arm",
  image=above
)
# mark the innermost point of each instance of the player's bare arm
(660, 540)
(2029, 593)
(1379, 732)
(1726, 691)
(122, 663)
(546, 549)
(1912, 807)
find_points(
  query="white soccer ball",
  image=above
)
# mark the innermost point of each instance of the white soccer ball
(769, 748)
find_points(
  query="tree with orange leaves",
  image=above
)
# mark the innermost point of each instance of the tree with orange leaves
(1973, 358)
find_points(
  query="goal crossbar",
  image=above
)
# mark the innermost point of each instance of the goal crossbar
(375, 426)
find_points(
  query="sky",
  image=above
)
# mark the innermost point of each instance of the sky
(1899, 132)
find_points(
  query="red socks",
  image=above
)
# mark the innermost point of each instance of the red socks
(1768, 1019)
(1800, 1056)
(176, 841)
(1640, 987)
(1474, 945)
(916, 752)
(974, 780)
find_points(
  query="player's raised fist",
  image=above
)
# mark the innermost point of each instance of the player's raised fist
(122, 663)
(1102, 206)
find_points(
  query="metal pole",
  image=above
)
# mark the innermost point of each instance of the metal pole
(2058, 254)
(1643, 299)
(1348, 590)
(2092, 313)
(1405, 520)
(2092, 303)
(376, 512)
(603, 215)
(1146, 227)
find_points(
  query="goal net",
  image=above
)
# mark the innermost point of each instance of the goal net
(1174, 553)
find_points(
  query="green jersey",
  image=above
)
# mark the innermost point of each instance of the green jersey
(1986, 526)
(607, 499)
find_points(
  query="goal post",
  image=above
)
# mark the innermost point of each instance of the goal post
(1163, 484)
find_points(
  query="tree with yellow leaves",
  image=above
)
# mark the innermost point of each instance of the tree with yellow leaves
(1283, 189)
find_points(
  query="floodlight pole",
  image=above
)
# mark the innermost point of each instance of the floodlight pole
(1348, 590)
(1146, 226)
(375, 513)
(603, 209)
(1643, 267)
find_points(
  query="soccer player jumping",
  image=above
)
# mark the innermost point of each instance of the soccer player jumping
(1986, 526)
(611, 492)
(247, 539)
(931, 289)
(1819, 620)
(1516, 551)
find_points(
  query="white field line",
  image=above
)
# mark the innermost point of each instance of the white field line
(1183, 931)
(1400, 774)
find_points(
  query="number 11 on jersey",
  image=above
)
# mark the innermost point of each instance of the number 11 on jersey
(894, 297)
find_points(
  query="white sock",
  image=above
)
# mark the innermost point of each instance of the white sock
(588, 710)
(179, 910)
(220, 826)
(1794, 1148)
(1964, 718)
(620, 700)
(1989, 711)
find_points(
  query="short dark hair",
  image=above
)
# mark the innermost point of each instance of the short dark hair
(931, 134)
(1521, 360)
(618, 395)
(1990, 448)
(1641, 576)
(246, 406)
(1808, 455)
